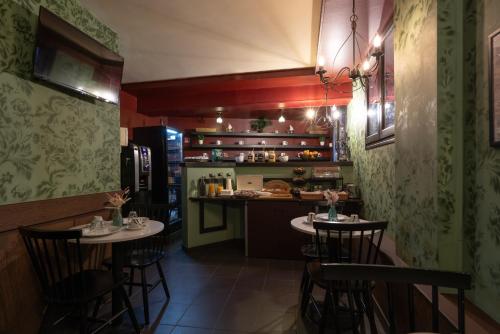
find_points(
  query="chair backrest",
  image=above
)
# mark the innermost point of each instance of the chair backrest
(345, 242)
(56, 256)
(143, 250)
(409, 276)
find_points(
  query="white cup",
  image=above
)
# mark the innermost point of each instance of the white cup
(310, 217)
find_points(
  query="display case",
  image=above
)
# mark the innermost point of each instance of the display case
(166, 157)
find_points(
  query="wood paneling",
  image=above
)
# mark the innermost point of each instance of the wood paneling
(20, 299)
(51, 210)
(242, 96)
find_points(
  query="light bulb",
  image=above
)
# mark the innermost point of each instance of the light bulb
(335, 112)
(219, 119)
(310, 113)
(366, 65)
(377, 41)
(321, 61)
(281, 119)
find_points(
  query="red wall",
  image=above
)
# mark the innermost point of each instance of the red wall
(130, 118)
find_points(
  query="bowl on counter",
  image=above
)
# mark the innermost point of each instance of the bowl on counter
(283, 158)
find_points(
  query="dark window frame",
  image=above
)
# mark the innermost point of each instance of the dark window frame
(385, 134)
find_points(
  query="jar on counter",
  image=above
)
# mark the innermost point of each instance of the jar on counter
(272, 156)
(251, 156)
(202, 187)
(211, 186)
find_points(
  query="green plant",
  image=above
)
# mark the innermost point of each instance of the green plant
(201, 137)
(322, 138)
(259, 124)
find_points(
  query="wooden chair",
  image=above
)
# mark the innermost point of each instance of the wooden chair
(332, 272)
(143, 253)
(341, 243)
(57, 260)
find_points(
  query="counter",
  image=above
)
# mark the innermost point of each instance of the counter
(211, 220)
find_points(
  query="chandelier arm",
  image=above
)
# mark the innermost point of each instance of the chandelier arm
(340, 49)
(359, 49)
(339, 74)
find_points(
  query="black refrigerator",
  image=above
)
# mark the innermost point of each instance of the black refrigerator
(166, 158)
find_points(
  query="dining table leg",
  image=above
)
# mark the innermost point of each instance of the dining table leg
(117, 269)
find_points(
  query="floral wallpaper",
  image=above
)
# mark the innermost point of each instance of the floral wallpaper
(481, 162)
(52, 144)
(416, 134)
(373, 170)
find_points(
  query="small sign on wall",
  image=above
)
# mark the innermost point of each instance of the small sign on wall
(124, 136)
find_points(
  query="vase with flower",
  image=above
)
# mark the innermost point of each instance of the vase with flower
(332, 197)
(115, 203)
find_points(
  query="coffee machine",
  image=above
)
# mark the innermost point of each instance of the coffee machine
(136, 172)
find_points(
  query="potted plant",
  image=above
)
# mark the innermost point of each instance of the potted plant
(259, 124)
(200, 139)
(322, 141)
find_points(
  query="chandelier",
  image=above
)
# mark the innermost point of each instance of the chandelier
(326, 116)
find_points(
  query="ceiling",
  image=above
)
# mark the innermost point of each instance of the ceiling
(173, 39)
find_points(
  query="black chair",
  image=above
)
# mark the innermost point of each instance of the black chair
(341, 243)
(332, 272)
(57, 260)
(143, 253)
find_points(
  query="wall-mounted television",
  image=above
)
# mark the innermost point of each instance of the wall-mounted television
(67, 57)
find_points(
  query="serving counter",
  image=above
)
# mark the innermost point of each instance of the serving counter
(264, 223)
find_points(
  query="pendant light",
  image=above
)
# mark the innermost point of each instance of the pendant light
(219, 119)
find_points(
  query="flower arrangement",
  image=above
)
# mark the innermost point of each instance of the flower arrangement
(117, 199)
(331, 196)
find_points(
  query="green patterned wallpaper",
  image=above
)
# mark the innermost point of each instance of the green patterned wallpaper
(51, 144)
(482, 163)
(374, 169)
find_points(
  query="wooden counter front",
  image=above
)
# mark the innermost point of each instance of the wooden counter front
(269, 234)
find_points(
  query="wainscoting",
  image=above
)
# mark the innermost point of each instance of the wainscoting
(20, 297)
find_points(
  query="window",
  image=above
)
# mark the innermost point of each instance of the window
(381, 109)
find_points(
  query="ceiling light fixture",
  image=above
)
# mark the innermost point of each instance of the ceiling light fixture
(358, 75)
(281, 119)
(219, 119)
(310, 114)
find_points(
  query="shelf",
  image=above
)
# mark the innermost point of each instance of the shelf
(260, 135)
(268, 147)
(303, 163)
(307, 179)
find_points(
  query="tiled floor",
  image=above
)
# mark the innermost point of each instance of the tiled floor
(218, 290)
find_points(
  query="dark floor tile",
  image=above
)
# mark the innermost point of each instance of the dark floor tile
(163, 329)
(281, 286)
(190, 330)
(277, 322)
(173, 313)
(201, 315)
(255, 282)
(284, 274)
(231, 271)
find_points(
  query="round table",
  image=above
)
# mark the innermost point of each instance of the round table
(117, 240)
(300, 224)
(151, 227)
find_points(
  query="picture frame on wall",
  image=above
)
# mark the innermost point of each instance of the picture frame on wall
(494, 87)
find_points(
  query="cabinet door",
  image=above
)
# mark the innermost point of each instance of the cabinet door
(269, 233)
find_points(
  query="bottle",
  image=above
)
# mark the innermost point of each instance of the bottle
(220, 184)
(229, 182)
(202, 187)
(211, 186)
(272, 156)
(251, 156)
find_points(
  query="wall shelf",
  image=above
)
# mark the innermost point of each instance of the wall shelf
(260, 134)
(268, 147)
